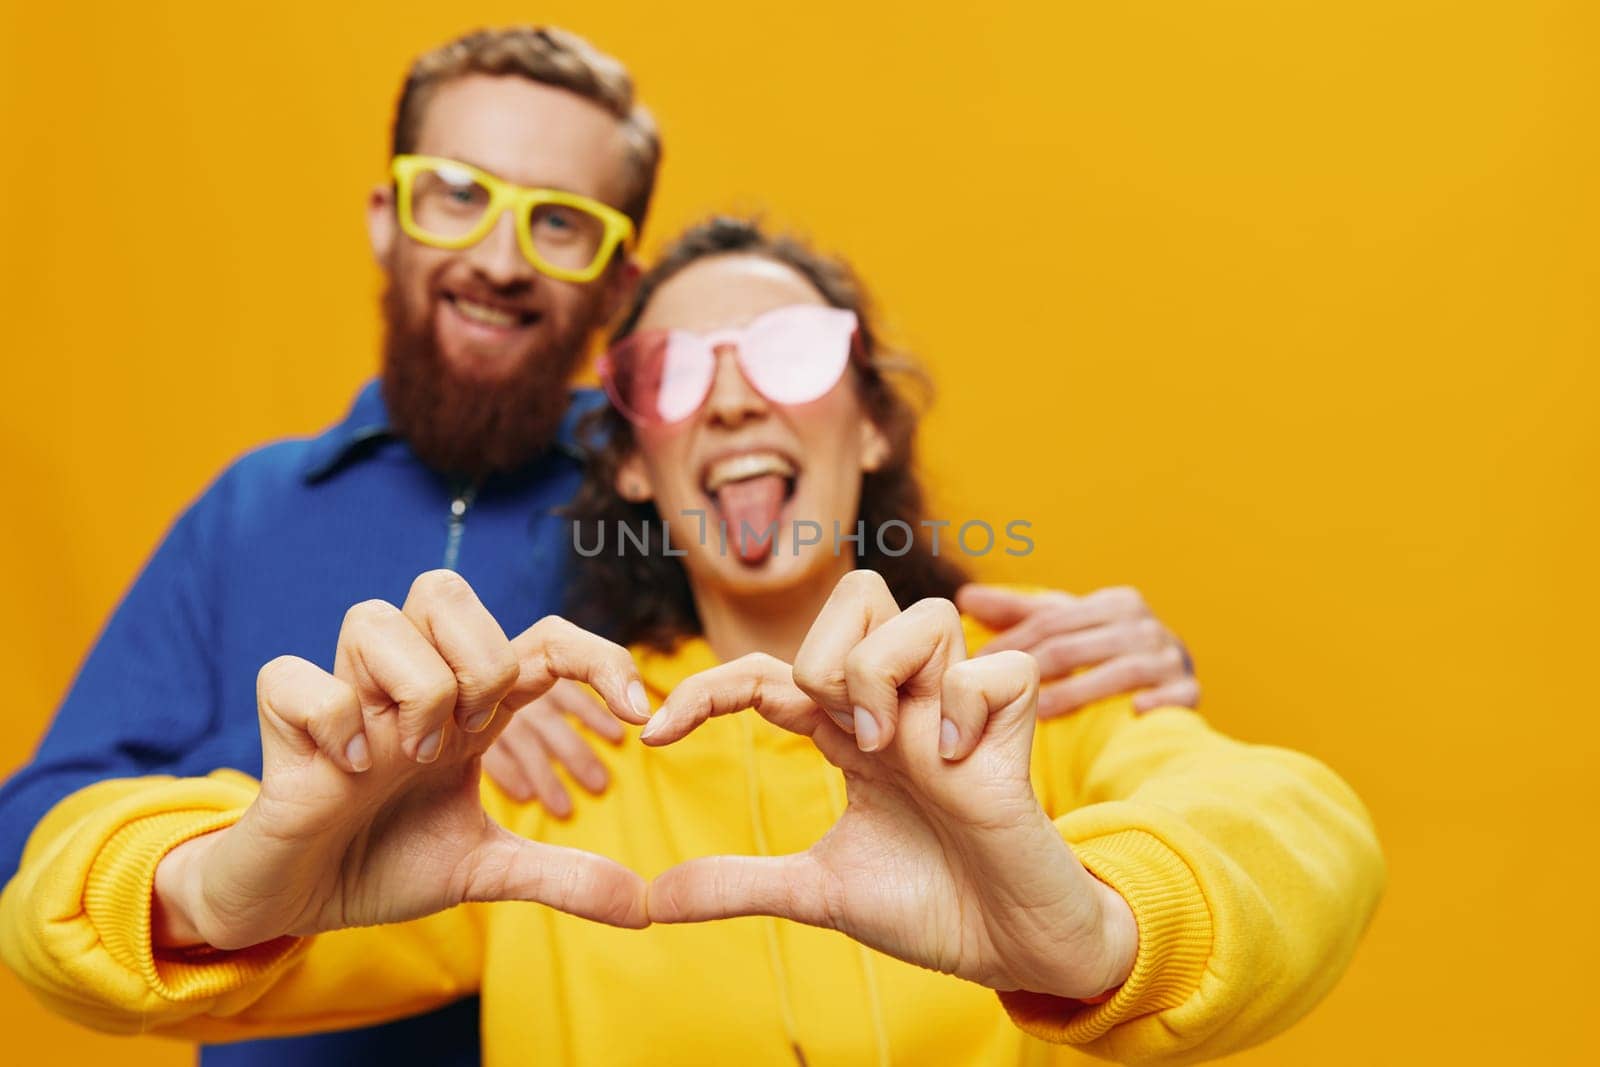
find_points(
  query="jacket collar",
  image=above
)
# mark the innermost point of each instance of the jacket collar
(366, 427)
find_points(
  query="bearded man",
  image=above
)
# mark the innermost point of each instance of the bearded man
(521, 173)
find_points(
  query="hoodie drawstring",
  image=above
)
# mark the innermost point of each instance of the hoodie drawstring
(780, 974)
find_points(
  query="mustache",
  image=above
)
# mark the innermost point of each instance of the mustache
(467, 428)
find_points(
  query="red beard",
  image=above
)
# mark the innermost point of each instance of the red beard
(468, 428)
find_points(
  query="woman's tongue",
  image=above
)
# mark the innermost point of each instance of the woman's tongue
(750, 508)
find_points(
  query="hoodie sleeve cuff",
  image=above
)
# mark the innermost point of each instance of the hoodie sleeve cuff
(1174, 941)
(117, 897)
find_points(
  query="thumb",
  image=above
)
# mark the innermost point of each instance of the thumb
(508, 867)
(994, 605)
(721, 887)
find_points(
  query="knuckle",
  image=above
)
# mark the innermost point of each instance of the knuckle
(550, 628)
(331, 705)
(495, 675)
(945, 611)
(819, 680)
(1146, 667)
(277, 673)
(442, 585)
(366, 614)
(863, 580)
(1055, 618)
(1018, 662)
(429, 691)
(1125, 598)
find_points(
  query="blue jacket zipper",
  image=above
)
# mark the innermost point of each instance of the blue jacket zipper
(458, 520)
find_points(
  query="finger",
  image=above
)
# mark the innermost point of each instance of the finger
(446, 611)
(1059, 613)
(720, 887)
(907, 654)
(571, 751)
(306, 709)
(519, 764)
(1063, 653)
(759, 681)
(541, 774)
(986, 697)
(858, 605)
(503, 767)
(391, 665)
(554, 648)
(996, 606)
(580, 883)
(583, 704)
(1183, 693)
(1124, 674)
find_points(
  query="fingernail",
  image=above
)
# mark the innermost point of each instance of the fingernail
(428, 751)
(866, 731)
(651, 727)
(947, 738)
(842, 721)
(357, 753)
(641, 702)
(478, 721)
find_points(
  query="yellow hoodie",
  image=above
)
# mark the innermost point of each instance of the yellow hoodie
(1251, 870)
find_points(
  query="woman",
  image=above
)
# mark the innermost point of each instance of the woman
(1136, 885)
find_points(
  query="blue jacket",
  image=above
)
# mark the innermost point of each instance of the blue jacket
(266, 562)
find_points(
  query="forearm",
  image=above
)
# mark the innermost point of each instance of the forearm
(78, 927)
(1251, 871)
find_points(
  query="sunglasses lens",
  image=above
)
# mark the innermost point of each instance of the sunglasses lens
(447, 201)
(658, 376)
(795, 355)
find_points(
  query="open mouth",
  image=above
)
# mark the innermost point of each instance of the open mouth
(493, 314)
(749, 491)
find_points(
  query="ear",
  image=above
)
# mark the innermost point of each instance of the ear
(874, 446)
(633, 480)
(382, 226)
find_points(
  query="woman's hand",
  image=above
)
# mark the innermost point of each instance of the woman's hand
(369, 806)
(943, 856)
(1100, 645)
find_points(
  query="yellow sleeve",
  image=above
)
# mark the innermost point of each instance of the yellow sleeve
(75, 927)
(1252, 872)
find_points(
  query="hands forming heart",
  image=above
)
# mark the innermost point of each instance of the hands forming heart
(369, 809)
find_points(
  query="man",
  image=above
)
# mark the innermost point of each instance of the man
(523, 171)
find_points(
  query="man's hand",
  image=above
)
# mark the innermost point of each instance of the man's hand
(1109, 638)
(369, 807)
(523, 760)
(943, 856)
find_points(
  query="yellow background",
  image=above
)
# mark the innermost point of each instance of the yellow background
(1283, 311)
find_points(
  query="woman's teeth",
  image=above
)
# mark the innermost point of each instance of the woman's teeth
(743, 467)
(485, 314)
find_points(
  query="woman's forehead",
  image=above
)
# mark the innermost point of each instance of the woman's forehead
(725, 291)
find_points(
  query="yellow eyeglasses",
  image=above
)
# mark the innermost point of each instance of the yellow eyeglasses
(448, 204)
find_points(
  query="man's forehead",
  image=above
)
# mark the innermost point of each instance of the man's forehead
(527, 132)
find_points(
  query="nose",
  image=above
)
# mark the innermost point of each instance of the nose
(498, 257)
(732, 401)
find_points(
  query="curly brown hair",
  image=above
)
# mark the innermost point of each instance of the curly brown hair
(640, 597)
